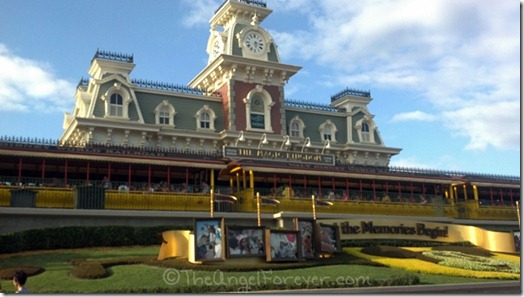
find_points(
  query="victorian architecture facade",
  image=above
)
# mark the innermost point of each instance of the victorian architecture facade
(238, 100)
(157, 146)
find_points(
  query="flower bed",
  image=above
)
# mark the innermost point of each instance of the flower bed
(498, 266)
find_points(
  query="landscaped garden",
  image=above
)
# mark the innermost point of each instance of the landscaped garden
(135, 269)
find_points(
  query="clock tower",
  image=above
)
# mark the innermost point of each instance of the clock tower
(245, 68)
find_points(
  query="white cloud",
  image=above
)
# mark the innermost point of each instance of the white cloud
(414, 116)
(495, 125)
(27, 85)
(462, 57)
(458, 56)
(409, 162)
(200, 12)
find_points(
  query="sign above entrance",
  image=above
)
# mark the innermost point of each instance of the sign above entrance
(280, 156)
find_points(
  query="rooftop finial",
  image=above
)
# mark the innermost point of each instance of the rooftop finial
(254, 21)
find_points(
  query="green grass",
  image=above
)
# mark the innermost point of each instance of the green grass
(136, 277)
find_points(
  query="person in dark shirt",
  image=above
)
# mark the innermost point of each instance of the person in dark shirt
(19, 282)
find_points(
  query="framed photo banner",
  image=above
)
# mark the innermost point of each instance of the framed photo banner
(245, 241)
(282, 245)
(306, 229)
(209, 241)
(328, 238)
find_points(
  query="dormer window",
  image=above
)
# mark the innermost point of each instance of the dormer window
(365, 132)
(296, 127)
(116, 104)
(328, 131)
(164, 114)
(205, 119)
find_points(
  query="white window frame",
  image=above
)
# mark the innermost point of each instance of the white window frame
(365, 137)
(126, 99)
(328, 124)
(212, 117)
(268, 104)
(158, 113)
(301, 126)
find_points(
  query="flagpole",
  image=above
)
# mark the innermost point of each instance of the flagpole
(313, 206)
(211, 199)
(258, 209)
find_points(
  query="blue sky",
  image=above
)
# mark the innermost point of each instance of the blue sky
(444, 74)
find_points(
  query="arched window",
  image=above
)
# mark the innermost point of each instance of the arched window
(205, 119)
(328, 131)
(164, 114)
(365, 128)
(296, 127)
(258, 110)
(116, 102)
(365, 132)
(116, 105)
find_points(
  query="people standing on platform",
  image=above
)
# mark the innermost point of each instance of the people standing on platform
(106, 183)
(205, 187)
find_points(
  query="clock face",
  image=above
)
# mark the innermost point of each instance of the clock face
(254, 42)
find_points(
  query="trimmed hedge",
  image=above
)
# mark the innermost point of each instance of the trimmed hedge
(82, 237)
(9, 273)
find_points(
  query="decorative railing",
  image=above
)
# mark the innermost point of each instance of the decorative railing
(100, 54)
(28, 141)
(169, 87)
(461, 175)
(160, 86)
(310, 105)
(258, 3)
(351, 92)
(83, 82)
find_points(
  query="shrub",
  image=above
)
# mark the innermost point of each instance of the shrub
(82, 237)
(89, 270)
(8, 273)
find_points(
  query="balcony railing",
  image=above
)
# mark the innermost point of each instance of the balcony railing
(68, 198)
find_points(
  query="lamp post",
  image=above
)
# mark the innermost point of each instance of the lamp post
(327, 144)
(286, 142)
(258, 209)
(313, 206)
(518, 213)
(240, 138)
(307, 143)
(263, 140)
(212, 202)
